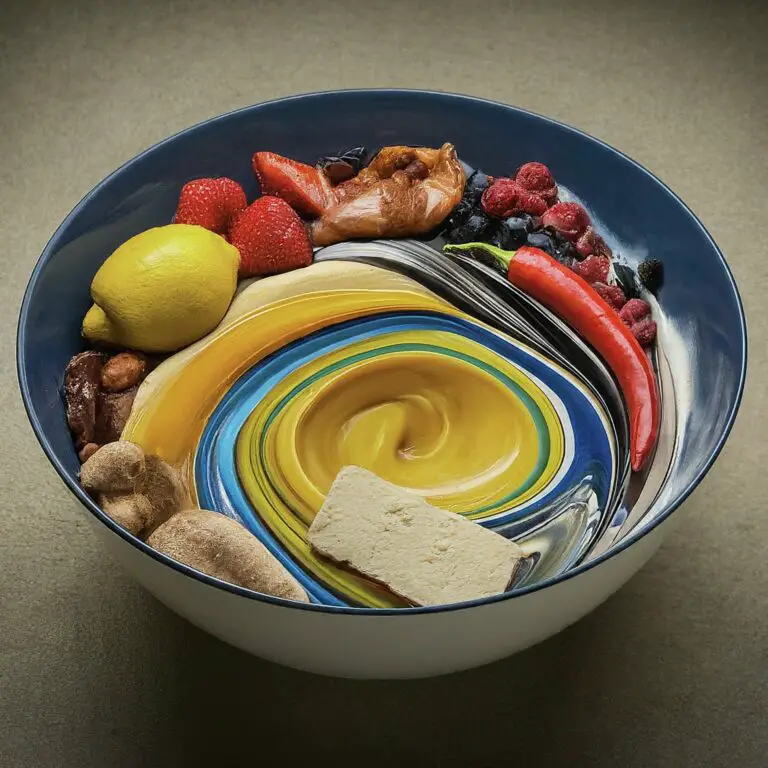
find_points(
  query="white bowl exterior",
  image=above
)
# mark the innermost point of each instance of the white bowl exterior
(382, 647)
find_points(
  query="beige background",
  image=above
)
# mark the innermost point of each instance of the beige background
(672, 671)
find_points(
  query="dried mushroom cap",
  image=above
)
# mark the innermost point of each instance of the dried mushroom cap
(224, 549)
(114, 468)
(138, 492)
(132, 511)
(161, 484)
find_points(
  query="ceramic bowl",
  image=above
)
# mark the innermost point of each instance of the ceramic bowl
(701, 304)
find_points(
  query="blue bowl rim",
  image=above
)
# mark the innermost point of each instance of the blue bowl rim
(86, 500)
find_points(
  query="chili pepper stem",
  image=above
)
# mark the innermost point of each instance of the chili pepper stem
(485, 249)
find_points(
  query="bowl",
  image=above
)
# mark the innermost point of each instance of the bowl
(704, 330)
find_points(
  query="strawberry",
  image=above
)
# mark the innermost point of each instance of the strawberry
(536, 177)
(594, 269)
(505, 197)
(569, 219)
(271, 238)
(611, 294)
(210, 203)
(302, 186)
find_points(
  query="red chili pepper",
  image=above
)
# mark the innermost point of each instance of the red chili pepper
(573, 299)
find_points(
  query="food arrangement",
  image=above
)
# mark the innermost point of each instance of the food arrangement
(387, 380)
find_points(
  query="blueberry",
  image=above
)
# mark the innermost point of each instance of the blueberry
(472, 231)
(476, 184)
(531, 222)
(552, 242)
(543, 240)
(511, 233)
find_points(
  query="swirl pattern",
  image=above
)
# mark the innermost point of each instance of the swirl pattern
(345, 363)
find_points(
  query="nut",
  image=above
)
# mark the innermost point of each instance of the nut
(123, 371)
(87, 451)
(224, 549)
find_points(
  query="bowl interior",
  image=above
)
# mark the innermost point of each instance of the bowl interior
(699, 296)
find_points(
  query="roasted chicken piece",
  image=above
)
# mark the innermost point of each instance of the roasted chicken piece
(403, 191)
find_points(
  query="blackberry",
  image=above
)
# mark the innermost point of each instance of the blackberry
(566, 253)
(460, 213)
(651, 274)
(474, 229)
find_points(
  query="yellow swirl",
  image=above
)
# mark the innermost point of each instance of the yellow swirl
(434, 411)
(433, 423)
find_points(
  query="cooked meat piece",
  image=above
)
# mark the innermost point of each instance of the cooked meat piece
(404, 191)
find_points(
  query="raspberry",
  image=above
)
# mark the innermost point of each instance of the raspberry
(536, 177)
(569, 219)
(531, 202)
(505, 197)
(500, 198)
(594, 269)
(590, 243)
(634, 311)
(611, 294)
(644, 331)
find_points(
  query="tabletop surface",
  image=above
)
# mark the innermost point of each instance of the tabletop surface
(671, 671)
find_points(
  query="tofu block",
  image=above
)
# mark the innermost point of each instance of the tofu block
(424, 554)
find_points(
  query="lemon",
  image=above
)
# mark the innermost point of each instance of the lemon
(162, 289)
